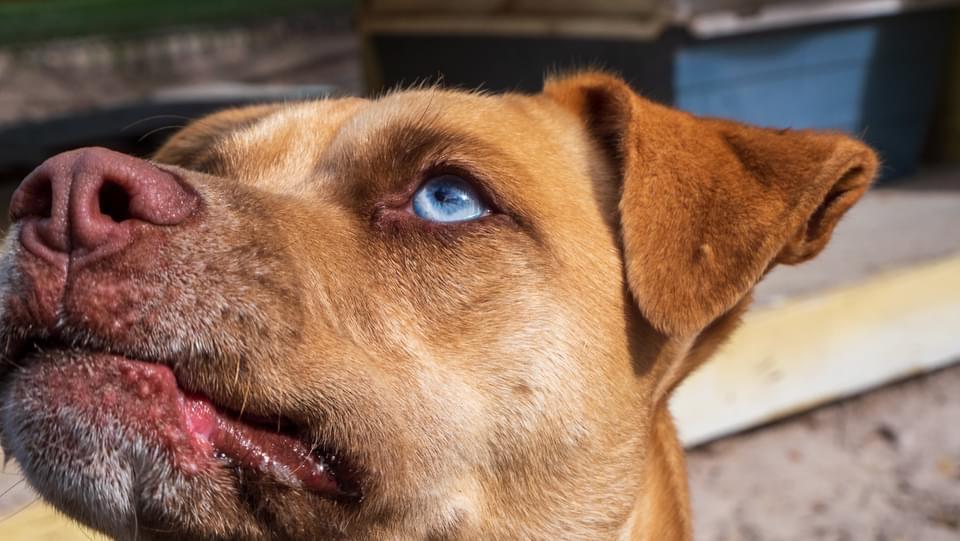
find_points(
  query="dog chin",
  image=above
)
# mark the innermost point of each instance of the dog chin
(117, 444)
(95, 472)
(97, 454)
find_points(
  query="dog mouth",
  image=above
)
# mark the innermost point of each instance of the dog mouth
(198, 435)
(271, 448)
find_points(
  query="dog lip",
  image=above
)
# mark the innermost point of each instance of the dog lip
(203, 435)
(256, 447)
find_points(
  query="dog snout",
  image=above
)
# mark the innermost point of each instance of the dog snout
(84, 202)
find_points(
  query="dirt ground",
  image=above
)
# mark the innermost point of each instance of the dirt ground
(63, 77)
(884, 466)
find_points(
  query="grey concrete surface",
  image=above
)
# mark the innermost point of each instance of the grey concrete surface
(884, 466)
(895, 225)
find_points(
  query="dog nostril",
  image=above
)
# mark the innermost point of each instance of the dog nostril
(43, 200)
(32, 200)
(114, 202)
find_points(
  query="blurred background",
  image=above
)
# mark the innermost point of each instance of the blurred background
(833, 414)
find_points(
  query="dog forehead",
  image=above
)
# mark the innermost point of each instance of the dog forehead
(538, 153)
(529, 132)
(307, 128)
(473, 112)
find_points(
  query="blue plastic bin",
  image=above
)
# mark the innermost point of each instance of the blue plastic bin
(875, 78)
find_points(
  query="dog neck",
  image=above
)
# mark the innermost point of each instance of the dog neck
(662, 510)
(662, 505)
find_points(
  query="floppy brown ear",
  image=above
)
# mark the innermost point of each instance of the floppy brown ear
(708, 206)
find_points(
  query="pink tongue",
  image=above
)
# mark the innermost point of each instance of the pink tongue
(284, 458)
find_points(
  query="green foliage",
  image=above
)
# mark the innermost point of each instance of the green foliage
(26, 21)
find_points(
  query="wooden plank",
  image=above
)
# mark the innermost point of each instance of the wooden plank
(807, 352)
(38, 521)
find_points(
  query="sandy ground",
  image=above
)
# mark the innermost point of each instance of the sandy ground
(884, 466)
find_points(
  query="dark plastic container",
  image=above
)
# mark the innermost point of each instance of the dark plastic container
(876, 78)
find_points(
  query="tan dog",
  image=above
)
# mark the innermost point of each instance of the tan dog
(432, 315)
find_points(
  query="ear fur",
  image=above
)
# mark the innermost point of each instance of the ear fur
(708, 206)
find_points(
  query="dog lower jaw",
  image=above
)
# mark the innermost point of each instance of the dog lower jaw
(113, 442)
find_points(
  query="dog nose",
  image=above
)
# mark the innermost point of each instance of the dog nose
(88, 199)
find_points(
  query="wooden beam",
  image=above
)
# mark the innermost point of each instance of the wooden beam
(814, 350)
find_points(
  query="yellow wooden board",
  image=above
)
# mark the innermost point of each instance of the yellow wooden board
(810, 351)
(39, 522)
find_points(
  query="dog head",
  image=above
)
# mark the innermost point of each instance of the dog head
(435, 314)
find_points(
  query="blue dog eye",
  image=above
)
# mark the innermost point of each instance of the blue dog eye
(448, 198)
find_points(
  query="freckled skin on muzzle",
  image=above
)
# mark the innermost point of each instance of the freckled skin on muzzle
(113, 261)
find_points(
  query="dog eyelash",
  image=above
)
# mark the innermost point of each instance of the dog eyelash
(403, 199)
(394, 212)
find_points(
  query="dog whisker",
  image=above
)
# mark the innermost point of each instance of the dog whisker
(158, 130)
(156, 117)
